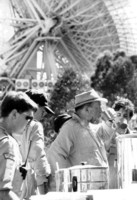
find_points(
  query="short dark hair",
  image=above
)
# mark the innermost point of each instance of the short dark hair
(16, 100)
(60, 120)
(37, 96)
(40, 99)
(124, 103)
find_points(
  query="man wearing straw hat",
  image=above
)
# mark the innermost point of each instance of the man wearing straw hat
(79, 140)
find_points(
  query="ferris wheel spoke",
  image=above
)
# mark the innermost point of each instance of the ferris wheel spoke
(81, 12)
(25, 59)
(16, 55)
(71, 6)
(84, 19)
(26, 33)
(60, 5)
(39, 9)
(34, 12)
(16, 48)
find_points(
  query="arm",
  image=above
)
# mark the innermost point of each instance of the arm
(107, 132)
(61, 148)
(38, 155)
(7, 166)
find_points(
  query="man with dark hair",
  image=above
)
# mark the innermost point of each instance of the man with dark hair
(60, 120)
(17, 110)
(33, 150)
(124, 110)
(40, 99)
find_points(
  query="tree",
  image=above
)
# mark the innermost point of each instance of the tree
(103, 66)
(132, 90)
(113, 75)
(134, 60)
(67, 86)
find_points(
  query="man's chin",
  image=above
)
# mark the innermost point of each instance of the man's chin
(19, 132)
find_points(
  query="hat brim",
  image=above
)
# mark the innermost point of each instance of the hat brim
(49, 110)
(92, 100)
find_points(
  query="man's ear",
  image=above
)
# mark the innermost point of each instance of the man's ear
(13, 114)
(86, 108)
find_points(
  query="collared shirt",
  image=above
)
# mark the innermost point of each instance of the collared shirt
(32, 149)
(10, 161)
(78, 143)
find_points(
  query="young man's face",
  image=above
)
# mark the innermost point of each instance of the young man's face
(22, 120)
(122, 119)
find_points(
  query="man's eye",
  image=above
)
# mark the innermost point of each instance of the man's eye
(119, 115)
(125, 116)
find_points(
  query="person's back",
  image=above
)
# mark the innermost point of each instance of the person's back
(33, 153)
(73, 137)
(33, 150)
(58, 122)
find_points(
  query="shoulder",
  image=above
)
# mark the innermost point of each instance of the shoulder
(70, 125)
(73, 123)
(34, 125)
(8, 144)
(4, 137)
(69, 130)
(35, 130)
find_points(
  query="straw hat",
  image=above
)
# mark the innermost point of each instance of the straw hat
(87, 97)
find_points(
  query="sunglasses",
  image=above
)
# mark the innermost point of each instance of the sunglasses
(28, 117)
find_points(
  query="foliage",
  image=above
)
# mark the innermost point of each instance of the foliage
(69, 84)
(65, 89)
(113, 75)
(134, 60)
(103, 65)
(132, 90)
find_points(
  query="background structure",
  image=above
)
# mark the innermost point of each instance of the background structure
(49, 34)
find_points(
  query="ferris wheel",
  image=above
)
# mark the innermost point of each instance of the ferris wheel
(65, 32)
